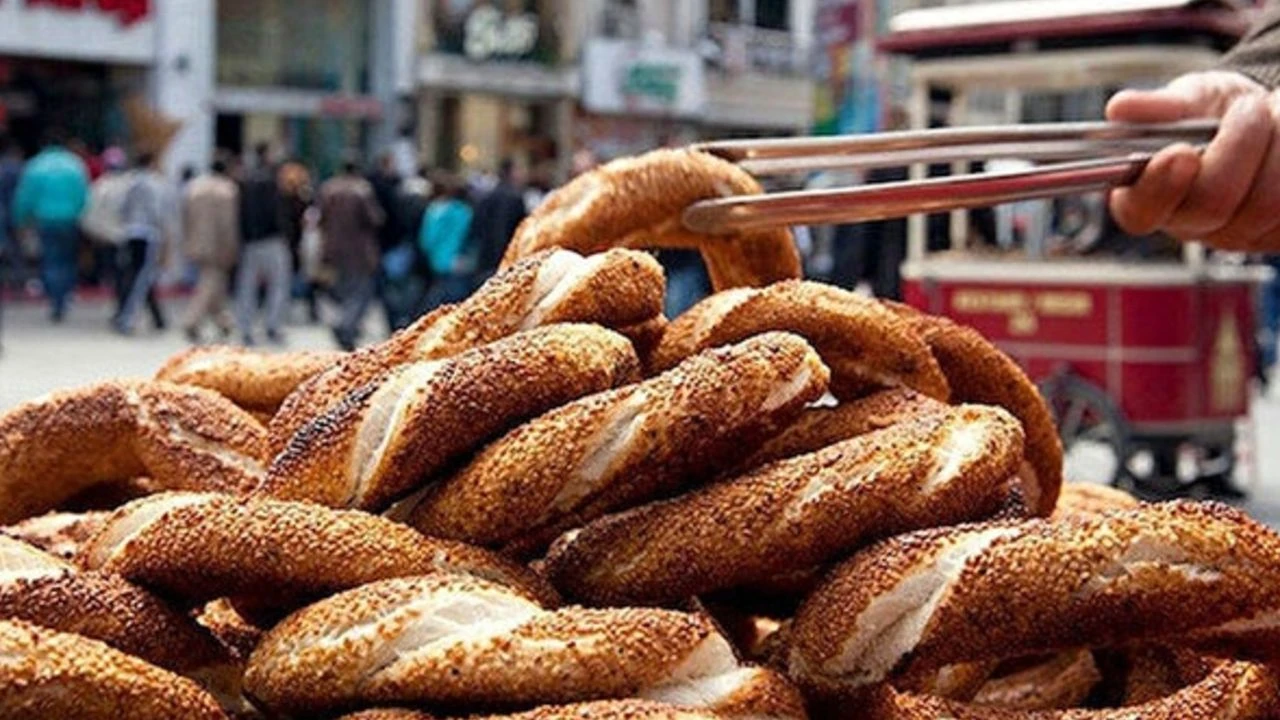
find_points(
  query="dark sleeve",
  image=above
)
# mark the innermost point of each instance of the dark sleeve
(1258, 54)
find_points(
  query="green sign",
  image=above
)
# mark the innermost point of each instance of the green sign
(652, 80)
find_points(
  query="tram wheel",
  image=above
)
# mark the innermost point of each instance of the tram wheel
(1095, 435)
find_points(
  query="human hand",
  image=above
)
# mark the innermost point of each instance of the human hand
(1228, 195)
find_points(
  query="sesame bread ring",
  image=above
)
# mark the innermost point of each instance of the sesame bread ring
(866, 346)
(47, 674)
(798, 513)
(1235, 690)
(42, 589)
(633, 709)
(818, 427)
(1062, 681)
(615, 289)
(979, 372)
(388, 714)
(182, 437)
(58, 533)
(1183, 573)
(624, 446)
(386, 439)
(638, 202)
(1090, 499)
(454, 641)
(256, 381)
(202, 547)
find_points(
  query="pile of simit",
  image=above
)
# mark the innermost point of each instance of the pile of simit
(549, 501)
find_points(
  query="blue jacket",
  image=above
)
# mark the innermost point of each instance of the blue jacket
(53, 189)
(445, 227)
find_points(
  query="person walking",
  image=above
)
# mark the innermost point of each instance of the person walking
(497, 215)
(103, 220)
(211, 236)
(10, 171)
(52, 192)
(385, 182)
(149, 216)
(446, 226)
(296, 193)
(349, 221)
(264, 255)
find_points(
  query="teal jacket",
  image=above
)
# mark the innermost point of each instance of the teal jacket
(53, 189)
(445, 227)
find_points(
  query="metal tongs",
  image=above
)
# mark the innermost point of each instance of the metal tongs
(1116, 155)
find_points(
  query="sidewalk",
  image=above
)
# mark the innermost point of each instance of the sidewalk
(38, 357)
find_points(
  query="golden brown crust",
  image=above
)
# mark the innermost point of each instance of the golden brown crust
(461, 641)
(979, 372)
(236, 633)
(1236, 690)
(47, 674)
(631, 709)
(107, 608)
(798, 513)
(390, 437)
(637, 202)
(1060, 682)
(182, 437)
(388, 714)
(1089, 500)
(1183, 573)
(818, 427)
(202, 547)
(645, 338)
(58, 533)
(256, 381)
(866, 346)
(616, 289)
(625, 446)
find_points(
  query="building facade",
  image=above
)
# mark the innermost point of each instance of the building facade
(537, 81)
(314, 84)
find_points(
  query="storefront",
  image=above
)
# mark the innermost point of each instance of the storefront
(70, 66)
(492, 87)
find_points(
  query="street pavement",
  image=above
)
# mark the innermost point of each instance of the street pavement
(36, 358)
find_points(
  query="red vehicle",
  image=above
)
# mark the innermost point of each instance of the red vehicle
(1147, 365)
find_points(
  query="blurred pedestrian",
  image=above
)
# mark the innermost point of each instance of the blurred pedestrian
(406, 273)
(296, 195)
(349, 221)
(103, 219)
(385, 182)
(10, 171)
(150, 218)
(446, 226)
(211, 237)
(51, 194)
(497, 215)
(264, 254)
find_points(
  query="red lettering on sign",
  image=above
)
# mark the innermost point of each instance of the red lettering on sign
(127, 12)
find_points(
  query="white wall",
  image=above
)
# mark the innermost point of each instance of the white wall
(84, 34)
(183, 77)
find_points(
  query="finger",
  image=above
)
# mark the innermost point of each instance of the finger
(1146, 206)
(1227, 169)
(1149, 106)
(1255, 223)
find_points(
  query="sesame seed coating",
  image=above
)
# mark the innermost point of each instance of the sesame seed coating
(555, 286)
(199, 548)
(612, 710)
(866, 346)
(463, 641)
(182, 437)
(818, 427)
(637, 202)
(1089, 499)
(388, 438)
(1062, 681)
(1235, 691)
(1179, 573)
(979, 372)
(934, 470)
(58, 533)
(388, 714)
(256, 381)
(47, 674)
(621, 447)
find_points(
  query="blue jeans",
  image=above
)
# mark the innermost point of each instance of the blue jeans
(58, 243)
(1269, 315)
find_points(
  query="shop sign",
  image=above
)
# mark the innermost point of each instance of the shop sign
(126, 12)
(488, 31)
(621, 76)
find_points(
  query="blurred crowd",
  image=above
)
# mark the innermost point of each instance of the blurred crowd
(251, 237)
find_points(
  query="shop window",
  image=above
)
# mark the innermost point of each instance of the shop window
(767, 14)
(264, 43)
